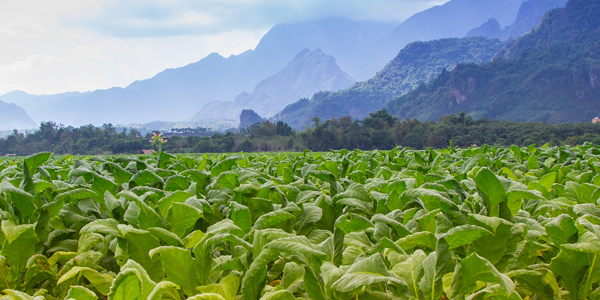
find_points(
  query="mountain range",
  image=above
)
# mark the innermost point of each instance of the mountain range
(263, 79)
(14, 117)
(309, 72)
(174, 93)
(360, 48)
(529, 15)
(417, 63)
(550, 74)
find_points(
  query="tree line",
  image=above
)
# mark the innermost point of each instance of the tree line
(378, 131)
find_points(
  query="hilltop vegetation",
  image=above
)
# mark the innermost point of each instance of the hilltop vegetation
(550, 74)
(529, 15)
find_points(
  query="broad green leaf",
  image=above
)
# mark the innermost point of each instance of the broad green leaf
(181, 217)
(160, 288)
(224, 165)
(411, 271)
(19, 245)
(474, 269)
(569, 264)
(464, 235)
(127, 286)
(352, 222)
(179, 266)
(269, 219)
(491, 191)
(365, 272)
(80, 293)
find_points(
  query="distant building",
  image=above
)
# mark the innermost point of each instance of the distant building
(10, 155)
(596, 120)
(147, 151)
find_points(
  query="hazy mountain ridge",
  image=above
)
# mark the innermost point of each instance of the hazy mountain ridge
(529, 16)
(307, 73)
(39, 107)
(173, 93)
(550, 74)
(417, 63)
(14, 117)
(452, 19)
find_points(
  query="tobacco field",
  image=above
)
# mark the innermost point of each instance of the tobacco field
(477, 223)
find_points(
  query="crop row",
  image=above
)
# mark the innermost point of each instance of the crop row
(477, 223)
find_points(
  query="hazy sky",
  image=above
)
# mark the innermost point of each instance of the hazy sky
(54, 46)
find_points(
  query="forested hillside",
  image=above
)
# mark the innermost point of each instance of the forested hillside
(417, 63)
(452, 19)
(550, 74)
(529, 16)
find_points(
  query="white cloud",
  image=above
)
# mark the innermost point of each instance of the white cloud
(73, 45)
(134, 18)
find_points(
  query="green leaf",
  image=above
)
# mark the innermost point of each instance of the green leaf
(269, 219)
(176, 183)
(424, 239)
(569, 265)
(80, 293)
(147, 283)
(207, 296)
(127, 286)
(365, 272)
(179, 266)
(411, 271)
(165, 202)
(19, 245)
(76, 194)
(435, 266)
(464, 235)
(36, 160)
(310, 214)
(295, 244)
(168, 237)
(160, 288)
(106, 226)
(352, 223)
(182, 216)
(224, 165)
(473, 269)
(100, 282)
(240, 215)
(139, 243)
(256, 276)
(431, 199)
(491, 247)
(491, 191)
(561, 229)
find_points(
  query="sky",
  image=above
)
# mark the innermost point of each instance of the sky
(49, 47)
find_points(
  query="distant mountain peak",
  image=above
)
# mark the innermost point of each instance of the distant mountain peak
(529, 15)
(14, 117)
(309, 72)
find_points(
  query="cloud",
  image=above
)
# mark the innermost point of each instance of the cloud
(159, 18)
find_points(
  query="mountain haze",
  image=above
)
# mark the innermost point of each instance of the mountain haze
(307, 73)
(550, 74)
(173, 93)
(452, 19)
(417, 63)
(529, 16)
(14, 117)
